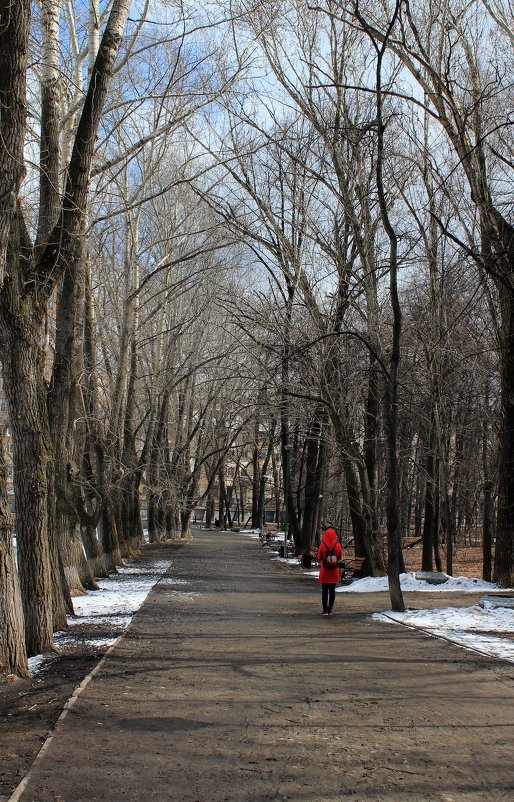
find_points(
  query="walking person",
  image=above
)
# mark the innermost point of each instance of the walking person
(330, 553)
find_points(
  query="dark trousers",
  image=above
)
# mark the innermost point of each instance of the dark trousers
(328, 596)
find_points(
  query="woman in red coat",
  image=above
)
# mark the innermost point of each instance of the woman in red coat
(330, 553)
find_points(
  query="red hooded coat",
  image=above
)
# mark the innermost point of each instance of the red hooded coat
(330, 576)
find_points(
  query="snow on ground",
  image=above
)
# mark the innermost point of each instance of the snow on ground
(479, 628)
(465, 626)
(109, 610)
(485, 628)
(408, 581)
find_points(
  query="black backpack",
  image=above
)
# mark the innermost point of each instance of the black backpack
(330, 557)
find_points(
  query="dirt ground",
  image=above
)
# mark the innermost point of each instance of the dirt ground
(467, 561)
(30, 708)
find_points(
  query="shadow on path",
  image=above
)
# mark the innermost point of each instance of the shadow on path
(230, 687)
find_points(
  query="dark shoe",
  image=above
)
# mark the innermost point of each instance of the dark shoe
(325, 612)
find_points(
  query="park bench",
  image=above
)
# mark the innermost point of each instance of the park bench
(270, 539)
(275, 542)
(350, 568)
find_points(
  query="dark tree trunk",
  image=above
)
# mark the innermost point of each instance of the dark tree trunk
(14, 48)
(209, 509)
(130, 513)
(488, 532)
(361, 504)
(13, 655)
(93, 448)
(437, 518)
(109, 536)
(427, 559)
(448, 532)
(256, 478)
(222, 517)
(418, 511)
(313, 480)
(25, 391)
(371, 428)
(93, 551)
(504, 553)
(64, 517)
(394, 550)
(184, 523)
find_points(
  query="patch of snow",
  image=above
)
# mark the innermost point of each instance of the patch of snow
(37, 663)
(253, 534)
(463, 625)
(69, 640)
(156, 567)
(408, 581)
(288, 561)
(104, 620)
(114, 604)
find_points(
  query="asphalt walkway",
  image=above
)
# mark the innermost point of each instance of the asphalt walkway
(229, 686)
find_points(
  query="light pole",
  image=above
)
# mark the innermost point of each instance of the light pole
(287, 465)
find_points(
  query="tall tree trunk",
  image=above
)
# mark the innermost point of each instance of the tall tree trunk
(366, 541)
(25, 391)
(131, 517)
(94, 553)
(488, 503)
(61, 409)
(371, 427)
(437, 516)
(109, 536)
(427, 553)
(256, 477)
(93, 449)
(209, 509)
(391, 384)
(13, 655)
(504, 554)
(49, 147)
(313, 479)
(14, 48)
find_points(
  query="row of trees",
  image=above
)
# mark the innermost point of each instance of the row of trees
(94, 246)
(379, 168)
(283, 235)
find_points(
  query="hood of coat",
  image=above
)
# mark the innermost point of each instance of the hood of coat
(330, 538)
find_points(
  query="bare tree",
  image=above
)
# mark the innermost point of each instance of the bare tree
(448, 56)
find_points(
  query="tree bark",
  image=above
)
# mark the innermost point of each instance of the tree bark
(25, 393)
(391, 383)
(504, 554)
(14, 35)
(13, 655)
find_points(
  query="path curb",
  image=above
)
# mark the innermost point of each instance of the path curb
(18, 791)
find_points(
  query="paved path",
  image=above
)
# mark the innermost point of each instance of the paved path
(230, 687)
